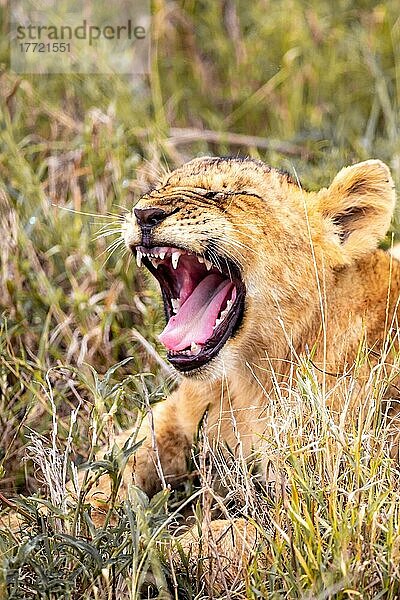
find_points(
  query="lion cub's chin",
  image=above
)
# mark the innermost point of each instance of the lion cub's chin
(217, 368)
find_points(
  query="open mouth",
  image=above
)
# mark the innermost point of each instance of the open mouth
(203, 302)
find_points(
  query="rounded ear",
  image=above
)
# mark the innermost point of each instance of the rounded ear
(359, 205)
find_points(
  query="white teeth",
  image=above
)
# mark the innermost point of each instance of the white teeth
(193, 351)
(224, 313)
(175, 259)
(217, 322)
(208, 264)
(195, 348)
(200, 259)
(154, 253)
(138, 258)
(176, 304)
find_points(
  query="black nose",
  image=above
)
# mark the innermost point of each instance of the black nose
(149, 217)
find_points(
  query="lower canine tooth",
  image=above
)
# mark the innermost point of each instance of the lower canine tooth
(175, 259)
(195, 348)
(176, 304)
(138, 258)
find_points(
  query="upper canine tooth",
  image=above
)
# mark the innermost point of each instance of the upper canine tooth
(200, 259)
(175, 259)
(138, 258)
(208, 264)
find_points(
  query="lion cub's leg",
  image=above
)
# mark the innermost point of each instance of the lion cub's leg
(163, 457)
(168, 434)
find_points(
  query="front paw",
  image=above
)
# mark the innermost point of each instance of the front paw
(223, 549)
(146, 471)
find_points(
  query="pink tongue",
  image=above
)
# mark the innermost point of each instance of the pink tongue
(196, 318)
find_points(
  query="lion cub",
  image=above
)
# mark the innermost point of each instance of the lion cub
(254, 271)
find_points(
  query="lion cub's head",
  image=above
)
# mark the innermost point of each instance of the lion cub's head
(241, 251)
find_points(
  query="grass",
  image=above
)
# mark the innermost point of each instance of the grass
(305, 87)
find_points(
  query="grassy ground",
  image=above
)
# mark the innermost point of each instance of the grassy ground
(308, 87)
